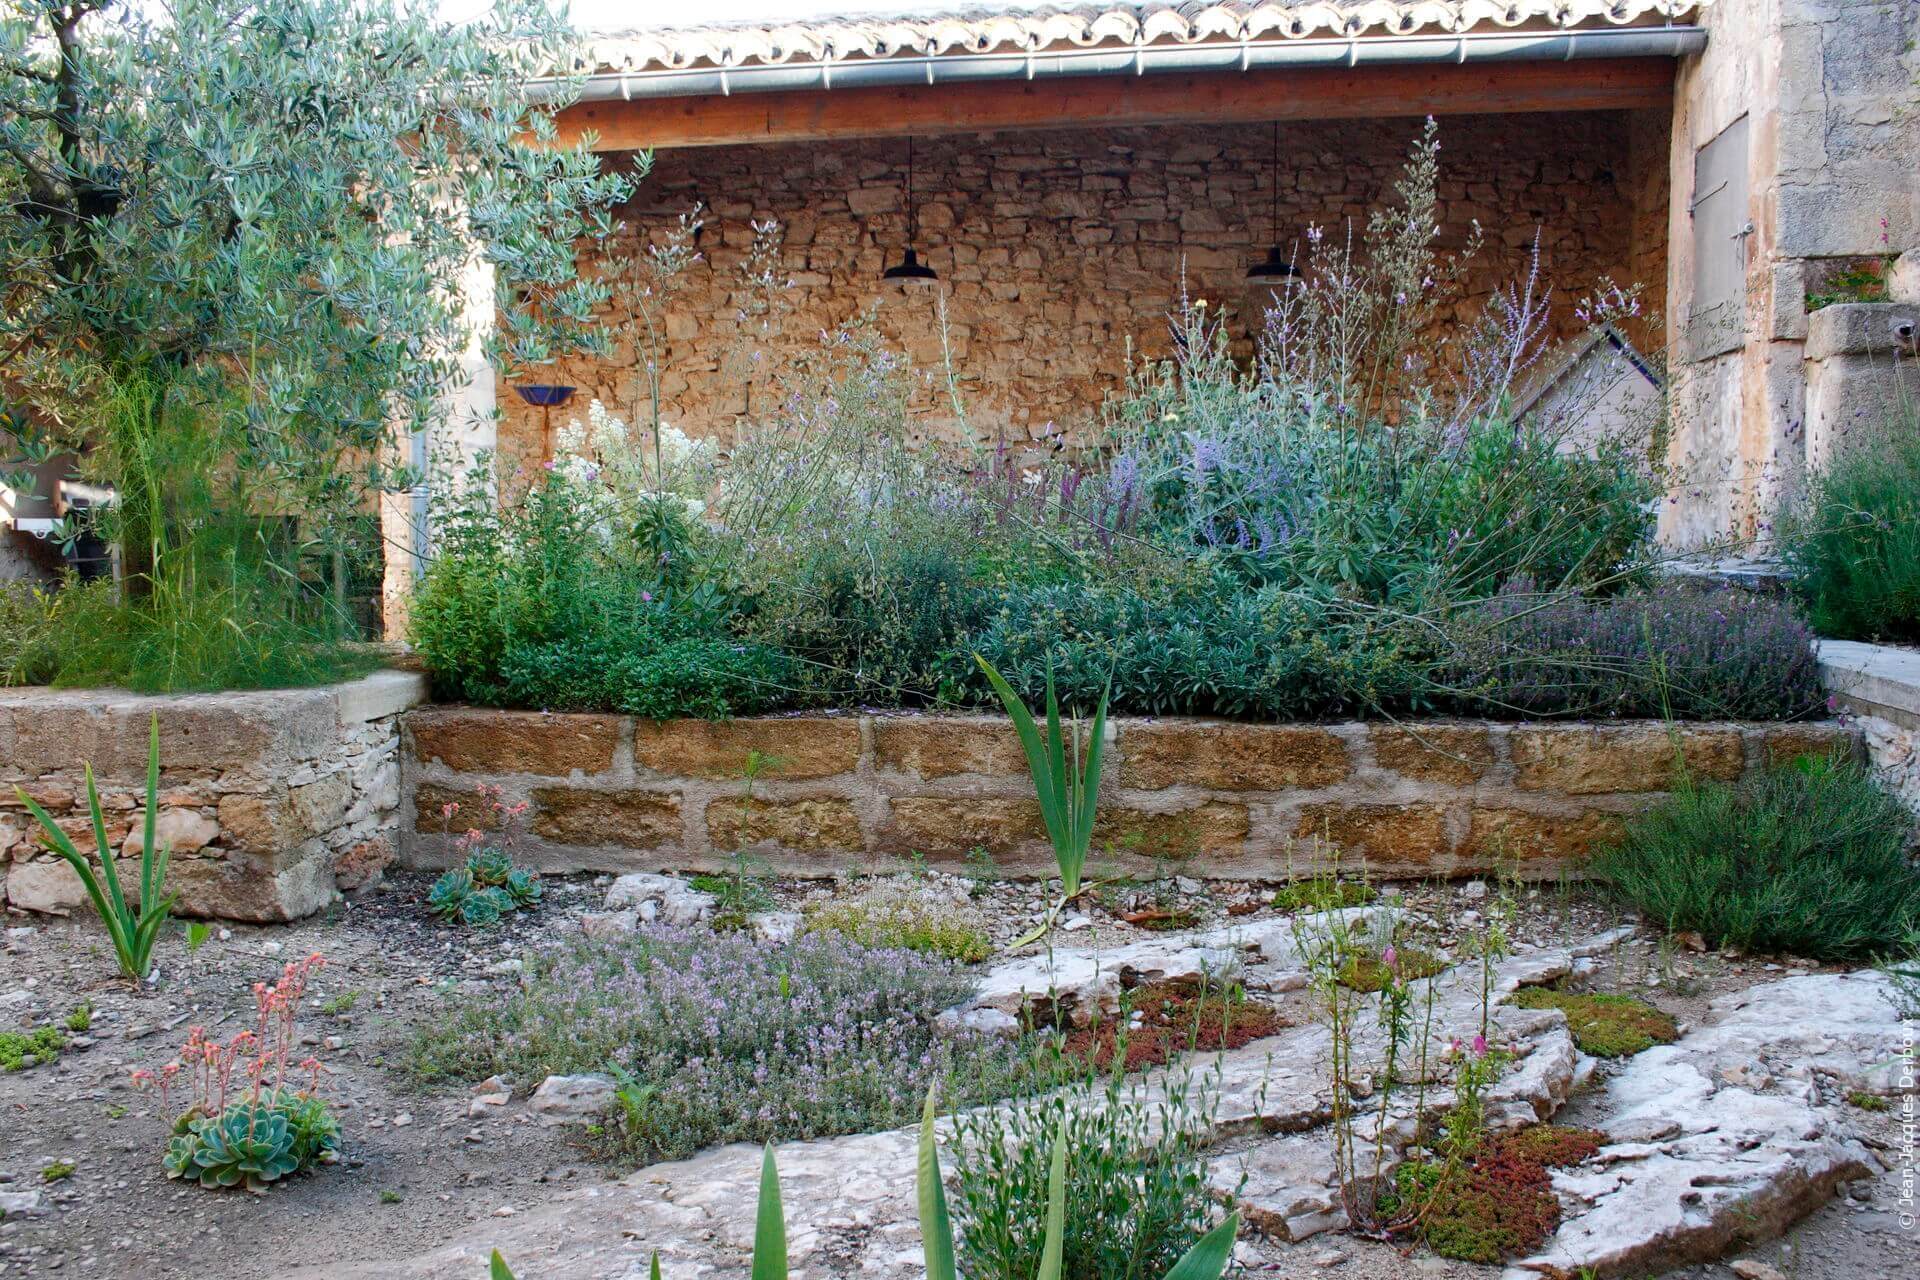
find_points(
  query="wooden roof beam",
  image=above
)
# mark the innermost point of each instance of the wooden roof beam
(1440, 89)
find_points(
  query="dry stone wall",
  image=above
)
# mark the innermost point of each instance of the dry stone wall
(854, 792)
(1055, 250)
(271, 801)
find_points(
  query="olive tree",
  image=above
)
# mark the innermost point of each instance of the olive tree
(248, 220)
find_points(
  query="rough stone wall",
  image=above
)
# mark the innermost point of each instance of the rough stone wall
(1055, 249)
(1829, 89)
(1214, 798)
(270, 801)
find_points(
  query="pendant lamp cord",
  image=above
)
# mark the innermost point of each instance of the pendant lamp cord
(913, 216)
(1276, 183)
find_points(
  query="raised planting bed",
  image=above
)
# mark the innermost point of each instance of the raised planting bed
(1212, 798)
(270, 800)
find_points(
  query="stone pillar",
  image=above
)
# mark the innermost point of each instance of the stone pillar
(1824, 92)
(463, 431)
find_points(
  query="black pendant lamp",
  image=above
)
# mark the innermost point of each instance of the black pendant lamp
(1274, 271)
(910, 270)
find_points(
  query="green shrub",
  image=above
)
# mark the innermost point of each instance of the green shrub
(540, 604)
(1809, 859)
(1855, 548)
(1137, 1196)
(1201, 645)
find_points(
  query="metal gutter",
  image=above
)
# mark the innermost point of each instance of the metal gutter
(1670, 41)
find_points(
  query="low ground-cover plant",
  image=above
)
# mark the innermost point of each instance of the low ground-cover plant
(721, 1038)
(248, 1123)
(1156, 1024)
(1136, 1195)
(1855, 544)
(1495, 1204)
(1809, 859)
(22, 1049)
(132, 929)
(1604, 1025)
(1323, 893)
(1371, 970)
(893, 913)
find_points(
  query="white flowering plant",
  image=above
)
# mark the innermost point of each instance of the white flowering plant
(654, 483)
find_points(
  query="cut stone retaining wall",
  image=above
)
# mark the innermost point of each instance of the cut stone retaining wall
(270, 800)
(1219, 798)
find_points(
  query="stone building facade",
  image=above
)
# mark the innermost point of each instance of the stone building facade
(1061, 252)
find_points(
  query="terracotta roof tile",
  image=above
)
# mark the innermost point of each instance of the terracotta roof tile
(982, 29)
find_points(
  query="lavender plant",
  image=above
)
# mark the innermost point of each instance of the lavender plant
(729, 1040)
(1678, 650)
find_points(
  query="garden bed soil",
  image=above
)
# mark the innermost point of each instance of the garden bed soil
(423, 1166)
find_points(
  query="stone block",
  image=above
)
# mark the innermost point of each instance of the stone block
(940, 824)
(1529, 836)
(1862, 329)
(818, 824)
(946, 746)
(50, 885)
(319, 806)
(1214, 827)
(1223, 756)
(800, 746)
(1589, 760)
(430, 817)
(184, 831)
(361, 866)
(1788, 743)
(260, 824)
(382, 694)
(1395, 833)
(1903, 278)
(1457, 755)
(531, 742)
(260, 890)
(626, 819)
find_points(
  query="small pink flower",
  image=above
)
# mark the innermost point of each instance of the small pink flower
(449, 809)
(1479, 1046)
(1390, 957)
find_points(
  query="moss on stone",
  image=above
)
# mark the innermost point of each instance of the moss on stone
(1606, 1026)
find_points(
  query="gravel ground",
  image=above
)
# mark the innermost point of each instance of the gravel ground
(420, 1166)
